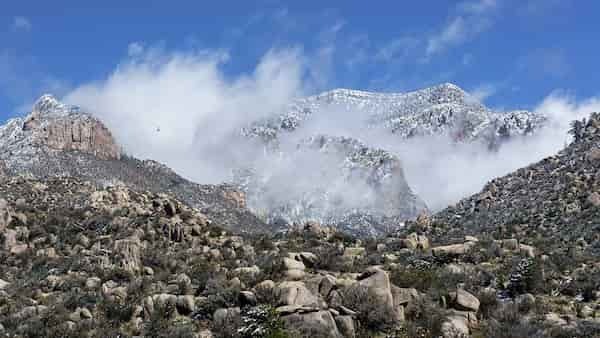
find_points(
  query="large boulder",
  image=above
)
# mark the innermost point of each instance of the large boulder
(128, 254)
(312, 324)
(293, 267)
(462, 300)
(296, 294)
(377, 281)
(453, 249)
(415, 241)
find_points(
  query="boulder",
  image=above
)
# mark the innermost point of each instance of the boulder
(377, 282)
(248, 298)
(452, 249)
(293, 269)
(527, 250)
(128, 254)
(415, 241)
(224, 317)
(463, 300)
(346, 326)
(455, 326)
(296, 293)
(186, 304)
(3, 284)
(251, 271)
(5, 214)
(318, 323)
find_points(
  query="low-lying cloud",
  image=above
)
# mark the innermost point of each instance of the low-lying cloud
(184, 110)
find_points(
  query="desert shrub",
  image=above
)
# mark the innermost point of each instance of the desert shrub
(424, 318)
(423, 279)
(160, 325)
(525, 277)
(116, 311)
(261, 322)
(330, 258)
(342, 237)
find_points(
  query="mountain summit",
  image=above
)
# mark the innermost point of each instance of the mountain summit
(443, 109)
(53, 126)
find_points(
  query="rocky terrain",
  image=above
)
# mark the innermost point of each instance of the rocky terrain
(94, 243)
(444, 110)
(56, 140)
(84, 259)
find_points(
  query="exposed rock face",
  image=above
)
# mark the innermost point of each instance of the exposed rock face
(57, 126)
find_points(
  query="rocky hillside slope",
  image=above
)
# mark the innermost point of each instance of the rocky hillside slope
(556, 199)
(60, 140)
(78, 260)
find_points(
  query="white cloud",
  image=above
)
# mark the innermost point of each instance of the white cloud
(482, 92)
(471, 19)
(180, 108)
(21, 23)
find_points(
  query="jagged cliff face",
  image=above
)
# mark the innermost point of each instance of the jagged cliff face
(56, 126)
(57, 140)
(337, 181)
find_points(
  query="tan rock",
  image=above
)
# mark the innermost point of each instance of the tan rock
(80, 132)
(128, 254)
(453, 249)
(320, 323)
(224, 317)
(346, 326)
(296, 293)
(5, 214)
(463, 300)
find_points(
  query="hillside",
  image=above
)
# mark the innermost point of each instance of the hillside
(57, 140)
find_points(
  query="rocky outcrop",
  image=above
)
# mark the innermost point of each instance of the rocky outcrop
(59, 127)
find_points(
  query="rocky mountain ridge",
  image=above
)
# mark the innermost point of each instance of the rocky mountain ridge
(443, 109)
(57, 140)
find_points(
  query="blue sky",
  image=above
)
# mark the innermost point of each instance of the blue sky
(513, 54)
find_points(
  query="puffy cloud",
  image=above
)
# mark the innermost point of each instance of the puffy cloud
(180, 108)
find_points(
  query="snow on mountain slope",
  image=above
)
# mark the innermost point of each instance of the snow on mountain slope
(443, 110)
